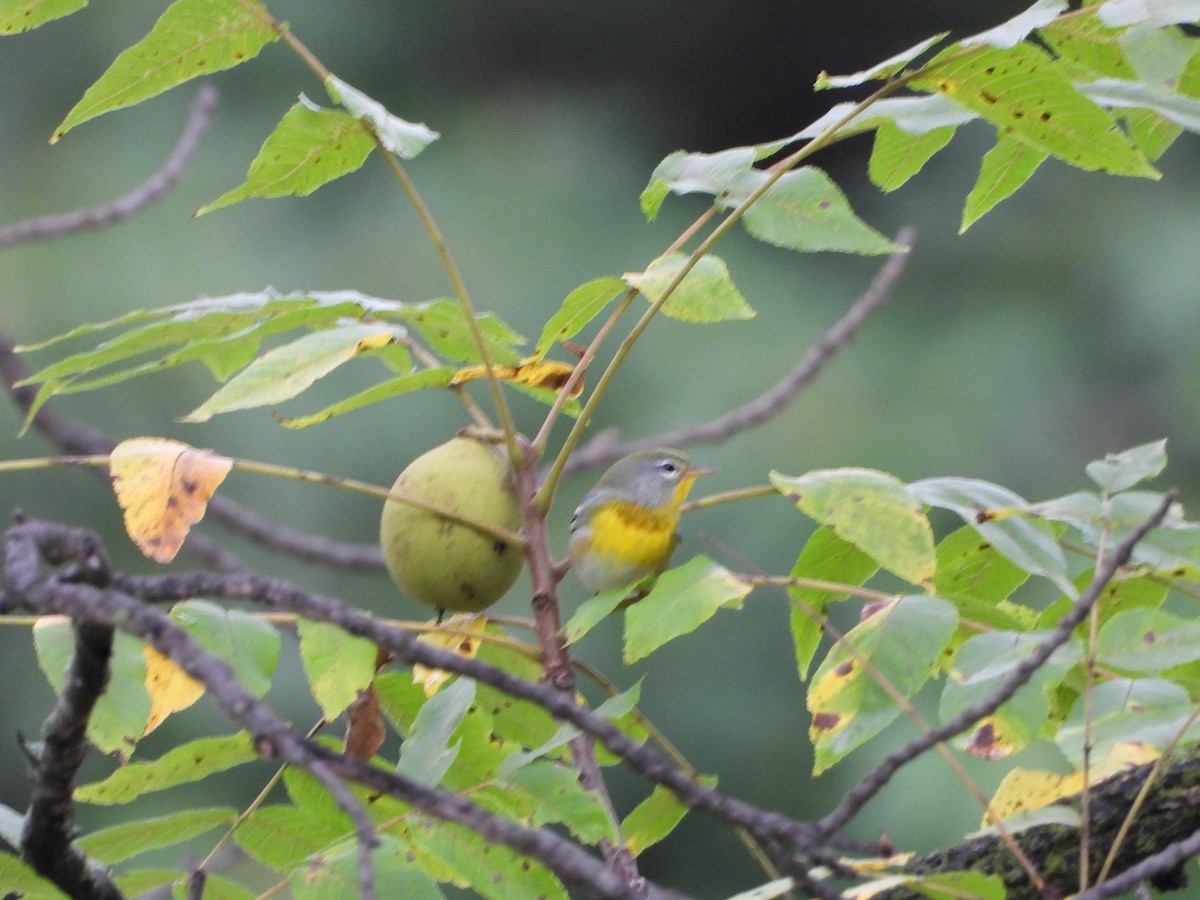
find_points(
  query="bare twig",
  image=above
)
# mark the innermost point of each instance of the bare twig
(606, 447)
(155, 187)
(1167, 860)
(869, 786)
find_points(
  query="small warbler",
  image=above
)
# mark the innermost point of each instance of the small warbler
(625, 528)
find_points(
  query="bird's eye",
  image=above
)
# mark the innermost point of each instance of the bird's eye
(669, 467)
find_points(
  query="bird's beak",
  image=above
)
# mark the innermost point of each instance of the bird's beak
(697, 471)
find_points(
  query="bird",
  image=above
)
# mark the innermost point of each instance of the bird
(626, 527)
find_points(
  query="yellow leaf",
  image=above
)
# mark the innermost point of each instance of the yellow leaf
(463, 640)
(1023, 790)
(171, 689)
(539, 373)
(163, 488)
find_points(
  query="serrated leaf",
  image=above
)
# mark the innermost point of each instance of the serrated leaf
(443, 324)
(469, 860)
(1009, 34)
(879, 71)
(405, 139)
(870, 509)
(1124, 712)
(825, 557)
(280, 837)
(805, 210)
(1005, 168)
(902, 640)
(186, 763)
(427, 754)
(1147, 640)
(683, 599)
(980, 666)
(705, 294)
(22, 15)
(334, 874)
(1026, 94)
(898, 155)
(562, 799)
(579, 308)
(338, 665)
(247, 644)
(192, 38)
(385, 390)
(1121, 471)
(286, 371)
(119, 717)
(993, 511)
(163, 488)
(120, 842)
(310, 146)
(25, 883)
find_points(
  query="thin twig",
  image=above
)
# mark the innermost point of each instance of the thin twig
(606, 448)
(154, 188)
(874, 781)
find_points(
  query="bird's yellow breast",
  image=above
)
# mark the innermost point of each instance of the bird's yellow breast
(632, 534)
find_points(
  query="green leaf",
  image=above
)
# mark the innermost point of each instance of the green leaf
(338, 665)
(706, 293)
(916, 115)
(22, 15)
(184, 764)
(994, 512)
(1005, 168)
(334, 874)
(286, 371)
(1123, 711)
(1026, 94)
(1116, 13)
(1121, 471)
(469, 860)
(805, 210)
(136, 882)
(561, 798)
(687, 173)
(17, 877)
(314, 801)
(246, 643)
(427, 754)
(310, 147)
(683, 599)
(1088, 46)
(192, 38)
(1147, 640)
(120, 714)
(580, 306)
(902, 640)
(898, 155)
(979, 667)
(444, 326)
(216, 887)
(879, 71)
(825, 557)
(969, 567)
(405, 139)
(591, 613)
(654, 818)
(280, 837)
(384, 390)
(120, 842)
(870, 509)
(1113, 93)
(1009, 34)
(768, 891)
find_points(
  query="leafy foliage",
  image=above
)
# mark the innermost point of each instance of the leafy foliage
(1104, 88)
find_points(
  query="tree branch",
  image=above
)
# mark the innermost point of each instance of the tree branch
(113, 606)
(605, 447)
(154, 188)
(874, 781)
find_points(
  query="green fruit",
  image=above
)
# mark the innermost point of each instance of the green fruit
(442, 563)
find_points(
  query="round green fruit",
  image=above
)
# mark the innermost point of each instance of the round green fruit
(443, 563)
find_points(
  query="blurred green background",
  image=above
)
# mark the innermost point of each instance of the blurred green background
(1062, 326)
